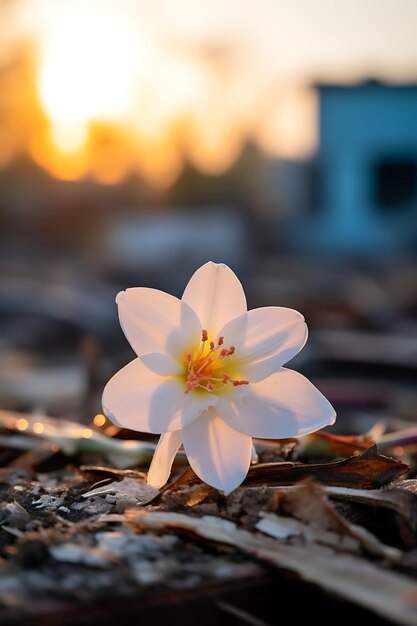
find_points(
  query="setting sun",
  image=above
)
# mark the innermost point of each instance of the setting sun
(111, 89)
(123, 89)
(98, 69)
(89, 64)
(122, 93)
(87, 67)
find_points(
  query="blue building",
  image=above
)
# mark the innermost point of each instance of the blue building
(363, 182)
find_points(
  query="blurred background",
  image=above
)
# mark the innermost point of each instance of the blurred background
(139, 139)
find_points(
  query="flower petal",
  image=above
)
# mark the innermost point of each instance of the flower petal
(162, 364)
(284, 405)
(274, 335)
(163, 458)
(218, 454)
(215, 293)
(154, 321)
(234, 332)
(138, 399)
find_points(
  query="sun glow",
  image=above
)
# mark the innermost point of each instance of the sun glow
(122, 88)
(87, 65)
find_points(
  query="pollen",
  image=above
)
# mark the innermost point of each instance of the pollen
(205, 369)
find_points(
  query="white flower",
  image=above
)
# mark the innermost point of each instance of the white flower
(209, 376)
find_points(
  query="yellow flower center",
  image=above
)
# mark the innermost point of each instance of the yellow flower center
(209, 367)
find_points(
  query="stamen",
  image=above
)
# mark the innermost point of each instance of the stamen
(201, 369)
(207, 387)
(206, 362)
(204, 337)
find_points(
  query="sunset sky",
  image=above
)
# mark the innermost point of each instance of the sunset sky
(157, 82)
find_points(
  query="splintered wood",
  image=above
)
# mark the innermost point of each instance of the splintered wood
(388, 594)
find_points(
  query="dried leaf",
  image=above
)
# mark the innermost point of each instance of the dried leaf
(12, 514)
(367, 471)
(99, 469)
(399, 497)
(188, 477)
(308, 503)
(327, 445)
(126, 492)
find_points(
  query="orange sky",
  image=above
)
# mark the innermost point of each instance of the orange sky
(128, 85)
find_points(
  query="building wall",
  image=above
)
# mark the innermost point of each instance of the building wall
(367, 169)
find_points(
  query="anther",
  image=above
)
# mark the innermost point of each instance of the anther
(220, 341)
(237, 383)
(211, 345)
(204, 335)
